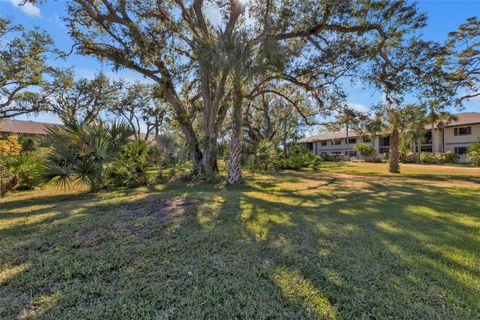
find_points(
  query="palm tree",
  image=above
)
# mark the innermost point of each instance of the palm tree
(395, 121)
(81, 152)
(436, 116)
(244, 71)
(414, 132)
(441, 119)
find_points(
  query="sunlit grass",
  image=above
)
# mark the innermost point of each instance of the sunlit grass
(302, 292)
(351, 241)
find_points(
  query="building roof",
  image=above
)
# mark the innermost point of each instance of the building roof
(28, 127)
(463, 118)
(40, 128)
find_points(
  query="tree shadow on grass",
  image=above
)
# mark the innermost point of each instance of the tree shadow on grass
(262, 250)
(403, 254)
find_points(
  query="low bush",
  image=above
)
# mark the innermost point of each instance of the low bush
(82, 152)
(427, 158)
(374, 159)
(408, 158)
(364, 150)
(27, 165)
(19, 169)
(438, 158)
(447, 157)
(130, 167)
(473, 154)
(299, 157)
(316, 163)
(263, 156)
(266, 157)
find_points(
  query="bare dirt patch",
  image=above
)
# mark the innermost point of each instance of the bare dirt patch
(159, 208)
(137, 218)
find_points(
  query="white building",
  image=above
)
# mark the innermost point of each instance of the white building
(454, 137)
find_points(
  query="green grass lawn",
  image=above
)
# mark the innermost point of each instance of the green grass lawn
(349, 242)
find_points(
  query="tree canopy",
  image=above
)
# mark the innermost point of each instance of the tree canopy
(308, 44)
(24, 71)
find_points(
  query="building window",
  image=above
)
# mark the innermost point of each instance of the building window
(428, 138)
(386, 141)
(460, 150)
(323, 143)
(352, 153)
(352, 140)
(463, 131)
(426, 149)
(337, 142)
(336, 152)
(367, 140)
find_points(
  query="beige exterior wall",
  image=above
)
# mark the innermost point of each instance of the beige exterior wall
(449, 145)
(452, 141)
(342, 148)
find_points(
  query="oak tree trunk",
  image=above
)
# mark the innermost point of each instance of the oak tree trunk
(395, 151)
(209, 161)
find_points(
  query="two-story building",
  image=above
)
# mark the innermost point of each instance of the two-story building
(455, 137)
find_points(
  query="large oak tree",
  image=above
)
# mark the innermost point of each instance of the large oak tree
(174, 44)
(203, 66)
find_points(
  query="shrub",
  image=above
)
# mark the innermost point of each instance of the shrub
(451, 157)
(428, 158)
(408, 158)
(332, 157)
(299, 157)
(10, 149)
(262, 157)
(473, 154)
(438, 158)
(130, 167)
(292, 163)
(316, 163)
(447, 157)
(27, 166)
(266, 157)
(365, 150)
(337, 157)
(81, 152)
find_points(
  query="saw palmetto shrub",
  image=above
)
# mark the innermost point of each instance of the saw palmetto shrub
(82, 152)
(130, 167)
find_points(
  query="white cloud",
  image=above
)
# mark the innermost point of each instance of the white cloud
(358, 107)
(27, 8)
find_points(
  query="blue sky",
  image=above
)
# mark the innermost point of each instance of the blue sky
(444, 16)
